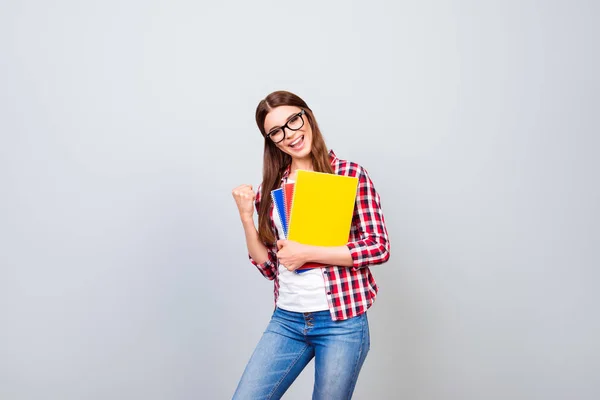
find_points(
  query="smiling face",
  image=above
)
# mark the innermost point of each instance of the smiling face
(297, 144)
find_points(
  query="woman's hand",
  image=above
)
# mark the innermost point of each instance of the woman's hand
(291, 255)
(244, 199)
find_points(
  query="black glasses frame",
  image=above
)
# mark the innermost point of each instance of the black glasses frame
(300, 114)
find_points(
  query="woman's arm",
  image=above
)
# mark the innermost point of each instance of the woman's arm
(294, 255)
(372, 246)
(256, 249)
(262, 257)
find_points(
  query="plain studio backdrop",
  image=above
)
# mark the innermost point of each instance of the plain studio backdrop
(126, 124)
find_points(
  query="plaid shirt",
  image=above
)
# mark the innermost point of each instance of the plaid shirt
(350, 290)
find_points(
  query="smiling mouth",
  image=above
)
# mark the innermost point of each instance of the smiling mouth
(297, 142)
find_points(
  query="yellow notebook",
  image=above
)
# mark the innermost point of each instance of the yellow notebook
(322, 208)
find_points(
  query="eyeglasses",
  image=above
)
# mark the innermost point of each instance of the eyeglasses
(296, 122)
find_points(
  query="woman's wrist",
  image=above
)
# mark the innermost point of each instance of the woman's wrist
(309, 253)
(247, 219)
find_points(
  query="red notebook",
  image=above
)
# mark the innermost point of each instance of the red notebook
(288, 195)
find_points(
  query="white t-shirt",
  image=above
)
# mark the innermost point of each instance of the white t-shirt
(303, 292)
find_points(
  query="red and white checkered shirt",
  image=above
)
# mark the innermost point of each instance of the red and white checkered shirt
(350, 290)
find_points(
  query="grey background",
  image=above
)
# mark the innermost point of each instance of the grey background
(125, 124)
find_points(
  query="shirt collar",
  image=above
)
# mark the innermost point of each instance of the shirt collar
(332, 159)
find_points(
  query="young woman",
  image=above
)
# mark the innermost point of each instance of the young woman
(320, 313)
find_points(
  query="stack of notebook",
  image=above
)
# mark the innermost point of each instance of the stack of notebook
(317, 209)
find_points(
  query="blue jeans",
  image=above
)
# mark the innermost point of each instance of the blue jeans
(291, 340)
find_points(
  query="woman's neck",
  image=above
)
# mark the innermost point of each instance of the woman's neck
(304, 164)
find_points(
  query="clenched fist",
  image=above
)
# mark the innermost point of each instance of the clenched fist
(244, 198)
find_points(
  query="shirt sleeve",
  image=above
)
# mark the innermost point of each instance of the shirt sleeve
(372, 246)
(269, 267)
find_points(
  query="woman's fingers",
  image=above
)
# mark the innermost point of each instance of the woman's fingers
(244, 198)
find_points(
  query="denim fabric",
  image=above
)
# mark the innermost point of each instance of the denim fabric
(291, 340)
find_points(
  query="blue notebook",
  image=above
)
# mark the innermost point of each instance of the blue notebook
(280, 207)
(277, 196)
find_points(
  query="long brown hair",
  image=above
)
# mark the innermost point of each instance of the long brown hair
(275, 161)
